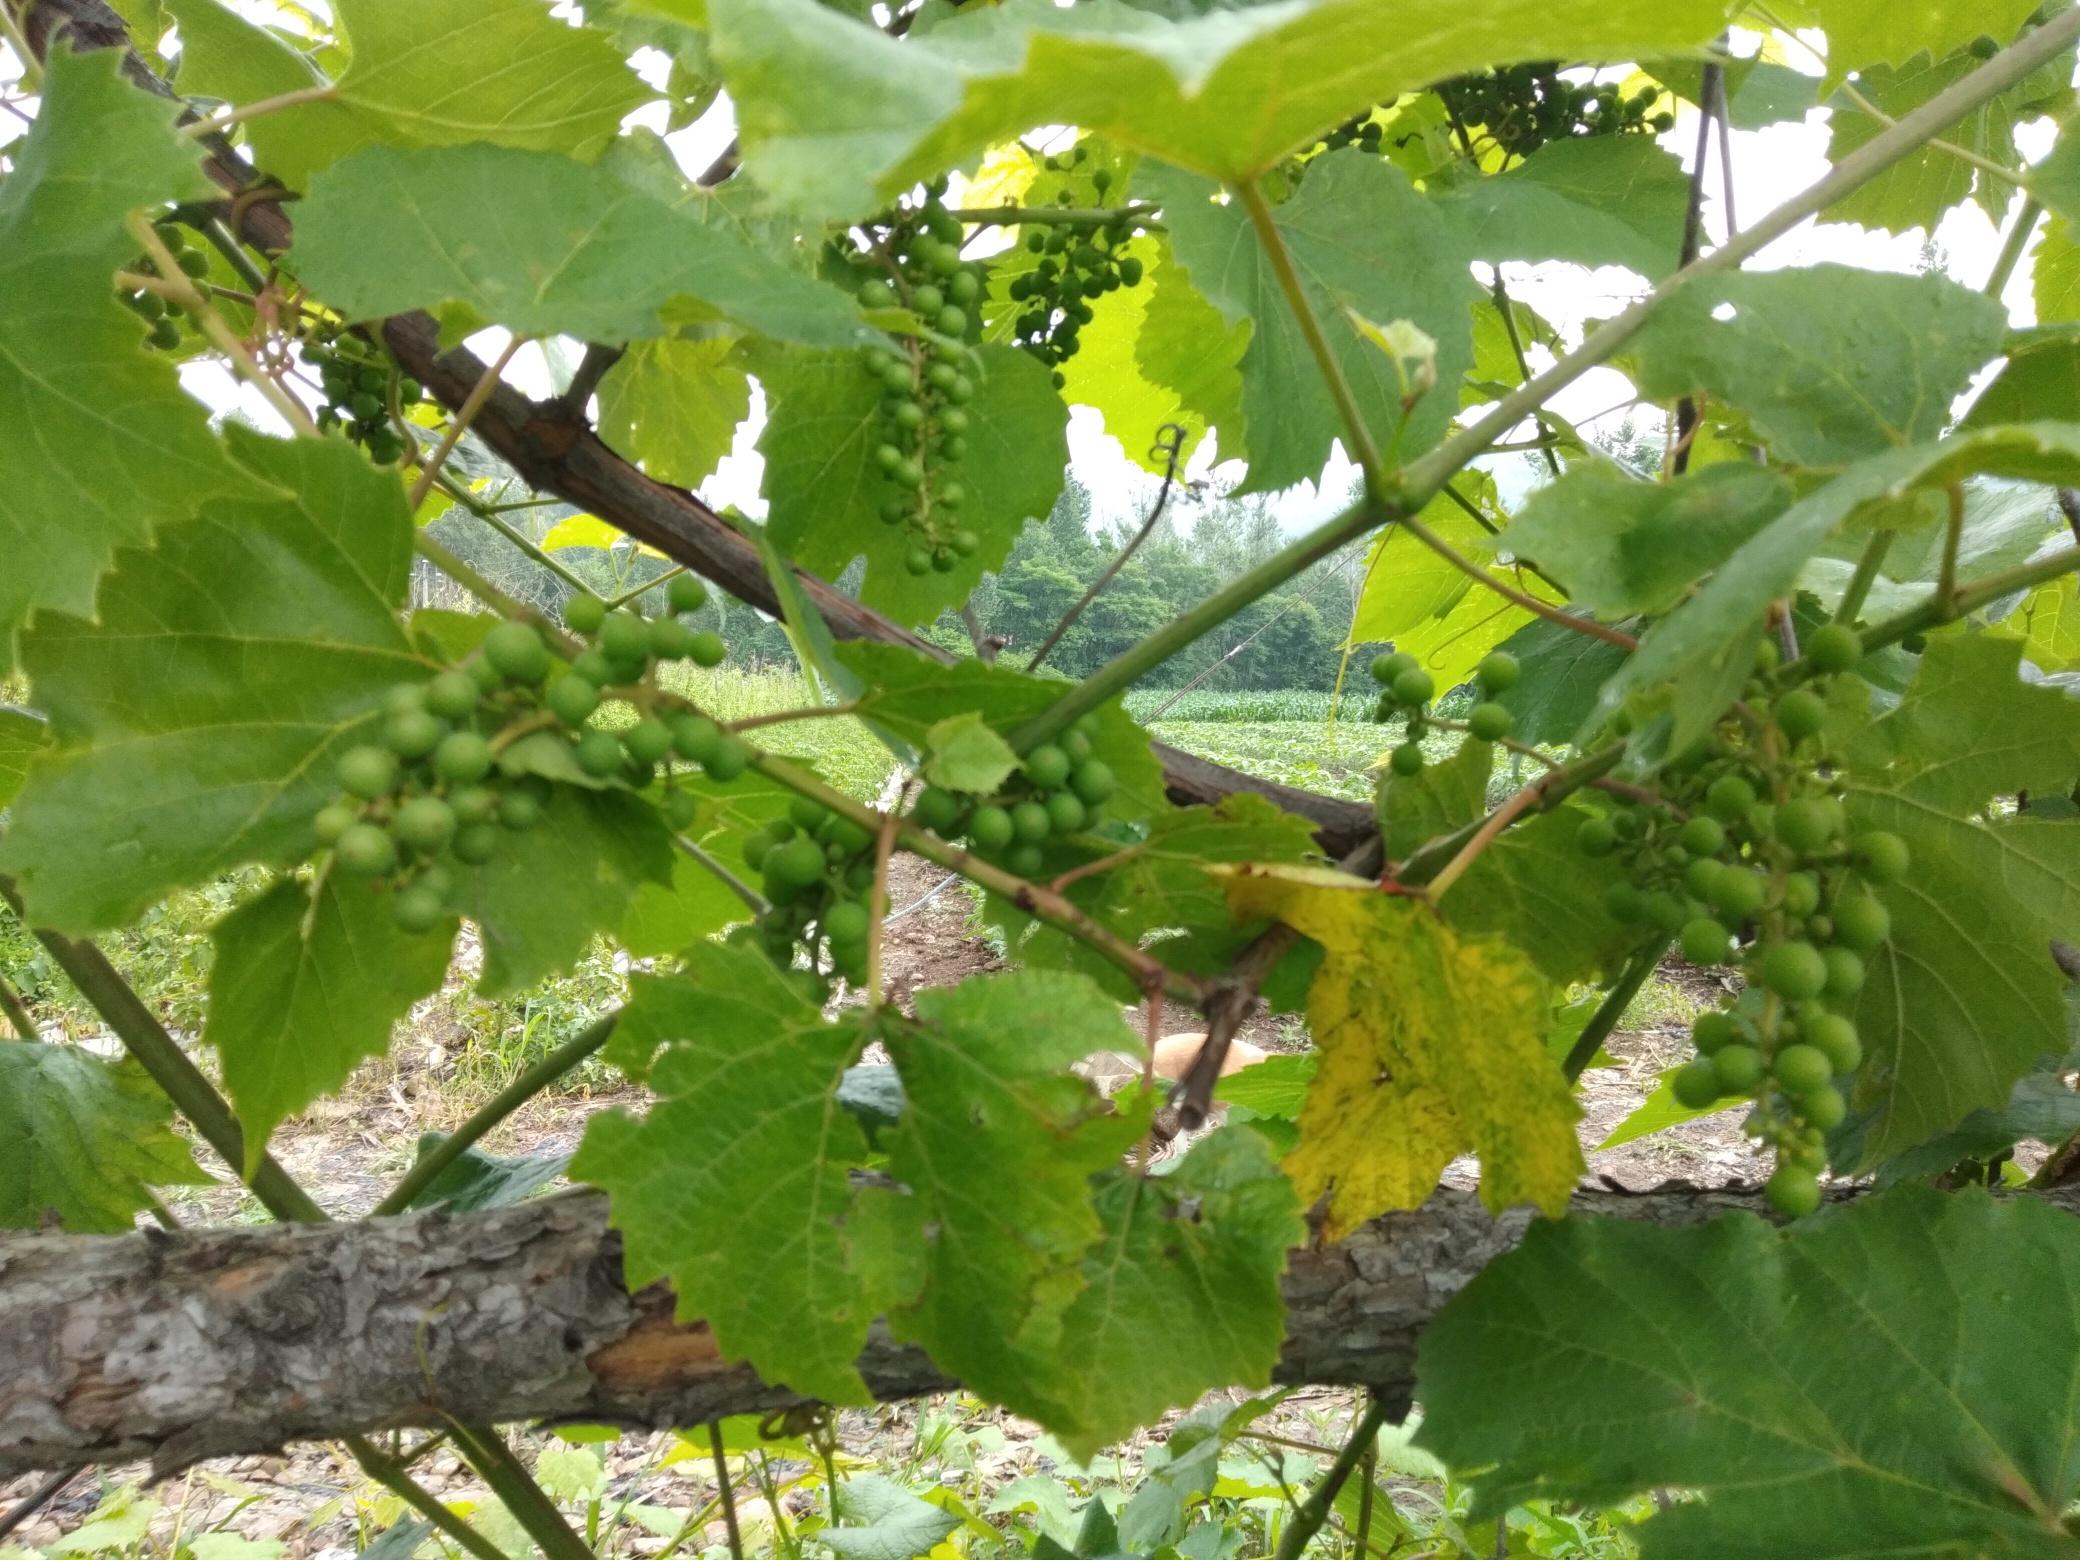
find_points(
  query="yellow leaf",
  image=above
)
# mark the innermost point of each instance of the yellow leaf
(588, 531)
(2049, 622)
(1431, 1045)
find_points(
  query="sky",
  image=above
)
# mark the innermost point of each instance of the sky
(1769, 166)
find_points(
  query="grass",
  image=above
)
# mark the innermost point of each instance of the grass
(844, 752)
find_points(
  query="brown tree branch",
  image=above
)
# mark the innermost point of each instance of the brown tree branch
(205, 1343)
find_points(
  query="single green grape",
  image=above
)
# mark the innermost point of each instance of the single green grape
(1861, 923)
(1834, 1037)
(520, 810)
(417, 909)
(680, 808)
(412, 733)
(425, 823)
(1047, 766)
(1597, 837)
(1800, 1069)
(847, 923)
(1390, 665)
(365, 851)
(584, 613)
(517, 651)
(707, 649)
(1497, 673)
(1793, 1191)
(1712, 1032)
(625, 638)
(991, 828)
(1844, 972)
(1739, 893)
(694, 737)
(1705, 941)
(1834, 648)
(1823, 1107)
(729, 760)
(368, 772)
(1025, 861)
(1415, 687)
(598, 753)
(453, 696)
(1729, 797)
(1407, 759)
(685, 593)
(1739, 1068)
(1880, 857)
(1489, 722)
(1800, 713)
(1801, 894)
(1031, 823)
(1065, 812)
(670, 639)
(1696, 1084)
(1794, 971)
(936, 809)
(1806, 824)
(1092, 780)
(572, 699)
(333, 821)
(462, 757)
(648, 740)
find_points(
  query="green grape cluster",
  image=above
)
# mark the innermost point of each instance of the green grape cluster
(358, 381)
(1406, 689)
(1079, 262)
(162, 316)
(430, 796)
(926, 386)
(1524, 106)
(1751, 862)
(818, 872)
(1364, 132)
(1060, 788)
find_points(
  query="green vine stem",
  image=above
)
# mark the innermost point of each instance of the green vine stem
(458, 425)
(1308, 1518)
(584, 1043)
(724, 1491)
(1611, 1009)
(1139, 211)
(1867, 565)
(433, 552)
(16, 1013)
(488, 1453)
(390, 1473)
(491, 516)
(2011, 251)
(1424, 477)
(753, 899)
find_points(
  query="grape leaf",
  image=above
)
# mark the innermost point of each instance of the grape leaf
(1560, 670)
(1276, 1086)
(997, 1147)
(1874, 32)
(674, 406)
(1164, 890)
(1408, 585)
(880, 1520)
(1430, 1046)
(2048, 620)
(735, 1184)
(541, 899)
(84, 1138)
(822, 428)
(541, 244)
(224, 56)
(1535, 889)
(1964, 997)
(1693, 662)
(1362, 239)
(837, 117)
(963, 754)
(1435, 800)
(2041, 1107)
(2042, 381)
(197, 722)
(1450, 647)
(1851, 1386)
(1594, 200)
(1830, 363)
(447, 72)
(476, 1180)
(909, 693)
(1181, 1293)
(665, 917)
(293, 1011)
(102, 446)
(22, 736)
(1920, 187)
(2055, 274)
(1659, 1111)
(1622, 546)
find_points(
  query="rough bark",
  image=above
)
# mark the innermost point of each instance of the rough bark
(175, 1347)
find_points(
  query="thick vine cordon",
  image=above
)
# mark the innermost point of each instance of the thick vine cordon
(1749, 862)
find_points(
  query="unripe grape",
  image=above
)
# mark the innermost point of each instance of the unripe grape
(487, 677)
(1806, 824)
(1498, 672)
(927, 300)
(1824, 1108)
(1705, 941)
(794, 865)
(1800, 713)
(648, 740)
(680, 808)
(475, 843)
(1729, 798)
(598, 753)
(1701, 878)
(1801, 894)
(756, 844)
(1696, 1084)
(1488, 722)
(936, 810)
(1861, 923)
(1065, 812)
(1391, 664)
(847, 923)
(1800, 1069)
(685, 593)
(1835, 648)
(1739, 1068)
(368, 772)
(416, 910)
(1739, 893)
(1092, 781)
(1712, 1032)
(404, 698)
(1596, 837)
(517, 651)
(1834, 1037)
(1844, 972)
(728, 761)
(333, 821)
(807, 814)
(462, 757)
(1623, 902)
(1415, 686)
(707, 649)
(1666, 912)
(991, 828)
(412, 733)
(584, 613)
(1407, 759)
(1880, 857)
(845, 836)
(1025, 861)
(625, 638)
(918, 561)
(1794, 971)
(1703, 836)
(519, 810)
(1030, 823)
(1047, 766)
(694, 737)
(425, 823)
(876, 294)
(572, 699)
(1793, 1191)
(1761, 820)
(365, 851)
(670, 639)
(453, 696)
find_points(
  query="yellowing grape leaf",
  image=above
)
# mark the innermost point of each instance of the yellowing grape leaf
(2049, 622)
(1430, 1046)
(674, 406)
